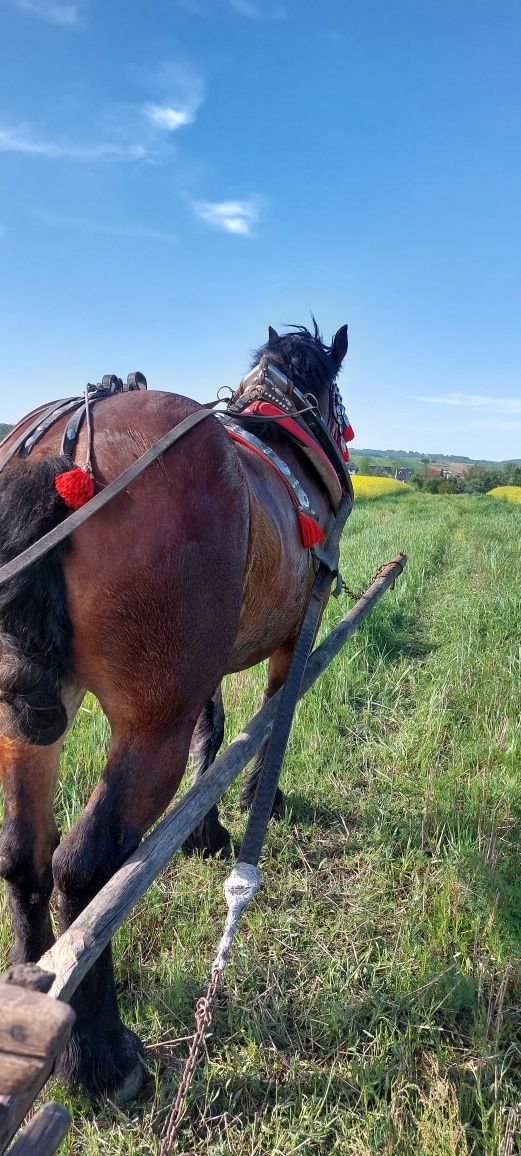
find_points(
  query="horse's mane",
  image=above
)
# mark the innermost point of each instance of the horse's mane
(302, 355)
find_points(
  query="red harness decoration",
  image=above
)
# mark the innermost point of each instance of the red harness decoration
(269, 410)
(310, 531)
(75, 487)
(310, 445)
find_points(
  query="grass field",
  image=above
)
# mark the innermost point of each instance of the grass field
(372, 1005)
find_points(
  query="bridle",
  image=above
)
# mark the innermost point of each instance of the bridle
(266, 382)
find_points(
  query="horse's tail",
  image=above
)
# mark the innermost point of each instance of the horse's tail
(35, 628)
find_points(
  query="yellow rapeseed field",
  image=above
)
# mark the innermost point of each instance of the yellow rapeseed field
(511, 493)
(366, 486)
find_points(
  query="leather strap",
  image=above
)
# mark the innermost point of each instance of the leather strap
(41, 419)
(78, 517)
(264, 799)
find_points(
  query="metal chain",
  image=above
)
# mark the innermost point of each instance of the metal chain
(203, 1019)
(356, 597)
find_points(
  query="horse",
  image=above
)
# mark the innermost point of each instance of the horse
(197, 570)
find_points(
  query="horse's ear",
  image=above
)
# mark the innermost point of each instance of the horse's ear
(339, 346)
(272, 335)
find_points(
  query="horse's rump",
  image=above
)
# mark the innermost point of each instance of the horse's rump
(163, 533)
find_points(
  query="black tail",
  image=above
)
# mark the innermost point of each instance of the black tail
(35, 629)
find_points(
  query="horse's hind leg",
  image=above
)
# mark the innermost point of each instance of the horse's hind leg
(141, 776)
(27, 841)
(278, 667)
(209, 837)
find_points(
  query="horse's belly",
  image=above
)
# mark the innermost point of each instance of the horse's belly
(278, 577)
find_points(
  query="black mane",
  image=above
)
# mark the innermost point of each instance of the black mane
(303, 356)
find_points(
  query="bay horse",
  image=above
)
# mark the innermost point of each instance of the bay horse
(197, 570)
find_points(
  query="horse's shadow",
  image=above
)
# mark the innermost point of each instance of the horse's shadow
(391, 636)
(303, 812)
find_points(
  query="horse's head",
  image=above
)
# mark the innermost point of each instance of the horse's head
(313, 367)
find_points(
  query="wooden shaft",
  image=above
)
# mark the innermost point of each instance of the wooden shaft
(76, 950)
(44, 1133)
(33, 1028)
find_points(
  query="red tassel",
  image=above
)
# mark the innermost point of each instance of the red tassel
(76, 487)
(310, 530)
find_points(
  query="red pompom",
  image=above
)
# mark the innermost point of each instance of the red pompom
(75, 487)
(310, 530)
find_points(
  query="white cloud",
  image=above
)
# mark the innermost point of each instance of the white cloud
(62, 12)
(475, 401)
(129, 132)
(20, 140)
(231, 216)
(181, 92)
(164, 117)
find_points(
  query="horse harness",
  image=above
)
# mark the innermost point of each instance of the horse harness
(264, 397)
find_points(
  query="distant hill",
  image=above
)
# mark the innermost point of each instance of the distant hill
(409, 457)
(4, 429)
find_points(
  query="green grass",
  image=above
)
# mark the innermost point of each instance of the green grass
(372, 1002)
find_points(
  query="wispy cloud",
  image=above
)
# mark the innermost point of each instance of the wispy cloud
(62, 12)
(259, 9)
(475, 401)
(20, 139)
(109, 229)
(251, 9)
(182, 92)
(246, 8)
(165, 117)
(128, 132)
(496, 423)
(238, 217)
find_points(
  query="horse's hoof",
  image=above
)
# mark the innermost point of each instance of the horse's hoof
(112, 1069)
(130, 1086)
(209, 841)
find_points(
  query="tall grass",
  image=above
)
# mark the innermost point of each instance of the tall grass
(372, 1003)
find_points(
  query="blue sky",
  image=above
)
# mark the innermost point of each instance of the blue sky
(175, 176)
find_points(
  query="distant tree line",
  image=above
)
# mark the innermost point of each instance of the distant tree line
(477, 479)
